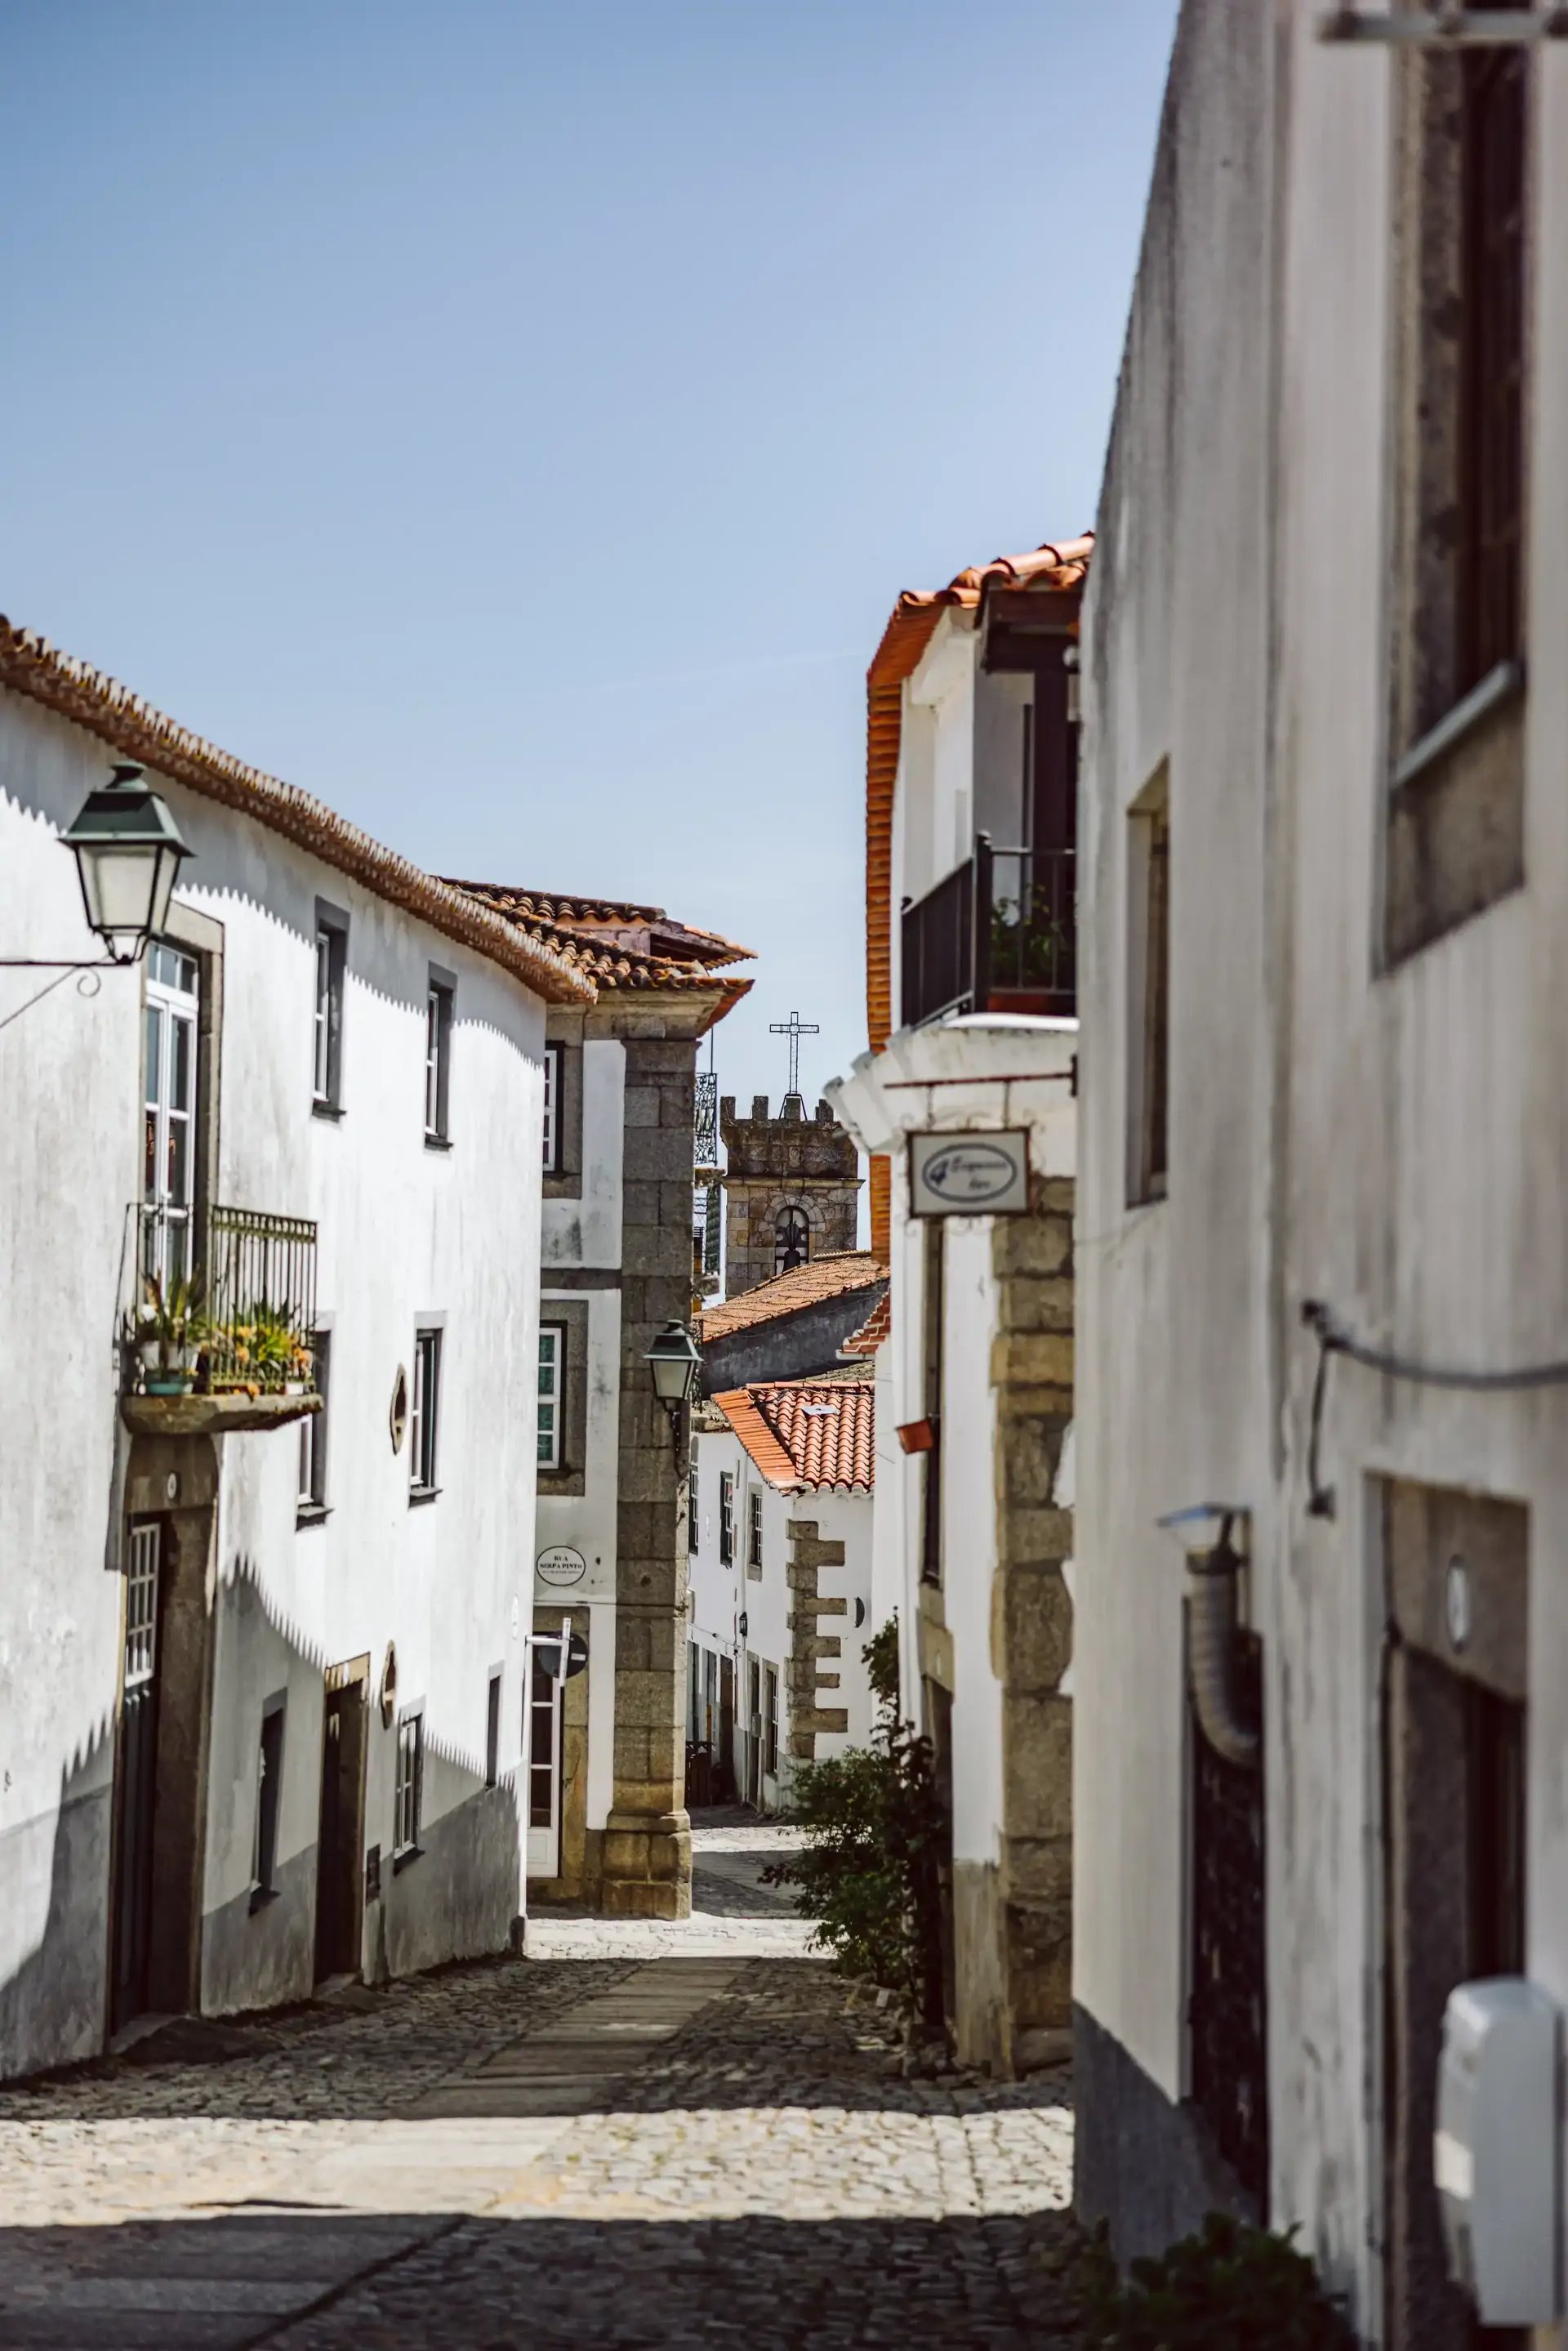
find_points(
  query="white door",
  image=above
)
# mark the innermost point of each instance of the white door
(543, 1748)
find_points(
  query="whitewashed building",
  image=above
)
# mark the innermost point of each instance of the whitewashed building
(781, 1516)
(1324, 917)
(608, 1820)
(262, 1645)
(965, 1099)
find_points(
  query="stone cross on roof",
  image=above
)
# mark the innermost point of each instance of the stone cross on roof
(795, 1028)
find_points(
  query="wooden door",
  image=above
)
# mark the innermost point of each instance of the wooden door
(136, 1776)
(339, 1866)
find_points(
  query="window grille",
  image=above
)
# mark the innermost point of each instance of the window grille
(552, 1369)
(1227, 2011)
(407, 1796)
(141, 1607)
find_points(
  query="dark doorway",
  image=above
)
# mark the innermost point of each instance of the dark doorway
(727, 1727)
(340, 1869)
(1454, 1756)
(136, 1775)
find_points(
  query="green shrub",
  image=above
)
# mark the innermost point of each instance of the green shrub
(875, 1830)
(1231, 2288)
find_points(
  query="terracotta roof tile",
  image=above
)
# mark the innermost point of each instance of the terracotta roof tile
(802, 1433)
(873, 1331)
(1050, 569)
(30, 665)
(618, 945)
(786, 1293)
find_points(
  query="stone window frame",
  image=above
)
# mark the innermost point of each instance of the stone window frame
(1452, 832)
(564, 1035)
(570, 1476)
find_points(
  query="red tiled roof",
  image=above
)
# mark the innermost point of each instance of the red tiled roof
(808, 1432)
(1050, 569)
(619, 945)
(873, 1331)
(30, 665)
(786, 1293)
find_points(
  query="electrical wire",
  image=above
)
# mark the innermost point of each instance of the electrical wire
(1334, 1339)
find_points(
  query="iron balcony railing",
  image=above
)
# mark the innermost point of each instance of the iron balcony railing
(247, 1293)
(998, 934)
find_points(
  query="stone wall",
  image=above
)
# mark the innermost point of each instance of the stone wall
(1031, 1611)
(645, 1866)
(774, 1163)
(811, 1665)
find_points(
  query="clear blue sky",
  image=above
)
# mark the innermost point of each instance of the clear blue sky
(515, 422)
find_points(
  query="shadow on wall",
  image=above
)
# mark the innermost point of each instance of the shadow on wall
(52, 2003)
(455, 1897)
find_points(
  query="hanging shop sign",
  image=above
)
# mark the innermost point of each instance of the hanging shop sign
(970, 1175)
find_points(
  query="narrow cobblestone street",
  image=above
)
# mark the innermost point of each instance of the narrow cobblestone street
(637, 2136)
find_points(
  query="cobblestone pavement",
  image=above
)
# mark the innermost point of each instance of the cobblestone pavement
(691, 2148)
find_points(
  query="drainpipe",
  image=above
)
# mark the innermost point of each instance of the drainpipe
(1214, 1566)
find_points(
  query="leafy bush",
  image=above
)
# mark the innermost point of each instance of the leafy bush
(1231, 2288)
(875, 1830)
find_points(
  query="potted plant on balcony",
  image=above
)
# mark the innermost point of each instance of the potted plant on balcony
(267, 1351)
(169, 1334)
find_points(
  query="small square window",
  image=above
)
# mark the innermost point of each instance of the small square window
(552, 1391)
(408, 1795)
(425, 1418)
(440, 1004)
(554, 1063)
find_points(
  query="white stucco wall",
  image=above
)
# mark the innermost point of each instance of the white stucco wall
(1391, 1141)
(406, 1233)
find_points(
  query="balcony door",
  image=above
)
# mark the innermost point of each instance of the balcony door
(169, 1158)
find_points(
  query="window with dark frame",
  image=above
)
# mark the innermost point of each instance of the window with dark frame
(754, 1530)
(327, 1025)
(439, 1003)
(553, 1060)
(313, 1434)
(492, 1732)
(408, 1794)
(424, 1416)
(1493, 136)
(693, 1521)
(1149, 991)
(770, 1722)
(269, 1794)
(932, 1393)
(726, 1519)
(552, 1392)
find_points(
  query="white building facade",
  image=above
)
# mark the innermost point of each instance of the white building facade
(971, 1010)
(1323, 904)
(781, 1513)
(262, 1652)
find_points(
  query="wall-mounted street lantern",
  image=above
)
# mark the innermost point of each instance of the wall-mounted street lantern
(128, 852)
(677, 1368)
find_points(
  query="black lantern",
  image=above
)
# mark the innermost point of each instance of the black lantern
(677, 1368)
(128, 852)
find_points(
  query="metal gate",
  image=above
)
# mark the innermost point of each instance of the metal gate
(137, 1778)
(1227, 2009)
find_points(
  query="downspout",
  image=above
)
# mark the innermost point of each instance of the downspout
(1211, 1628)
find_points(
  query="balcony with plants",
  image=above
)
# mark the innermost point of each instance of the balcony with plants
(221, 1334)
(999, 934)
